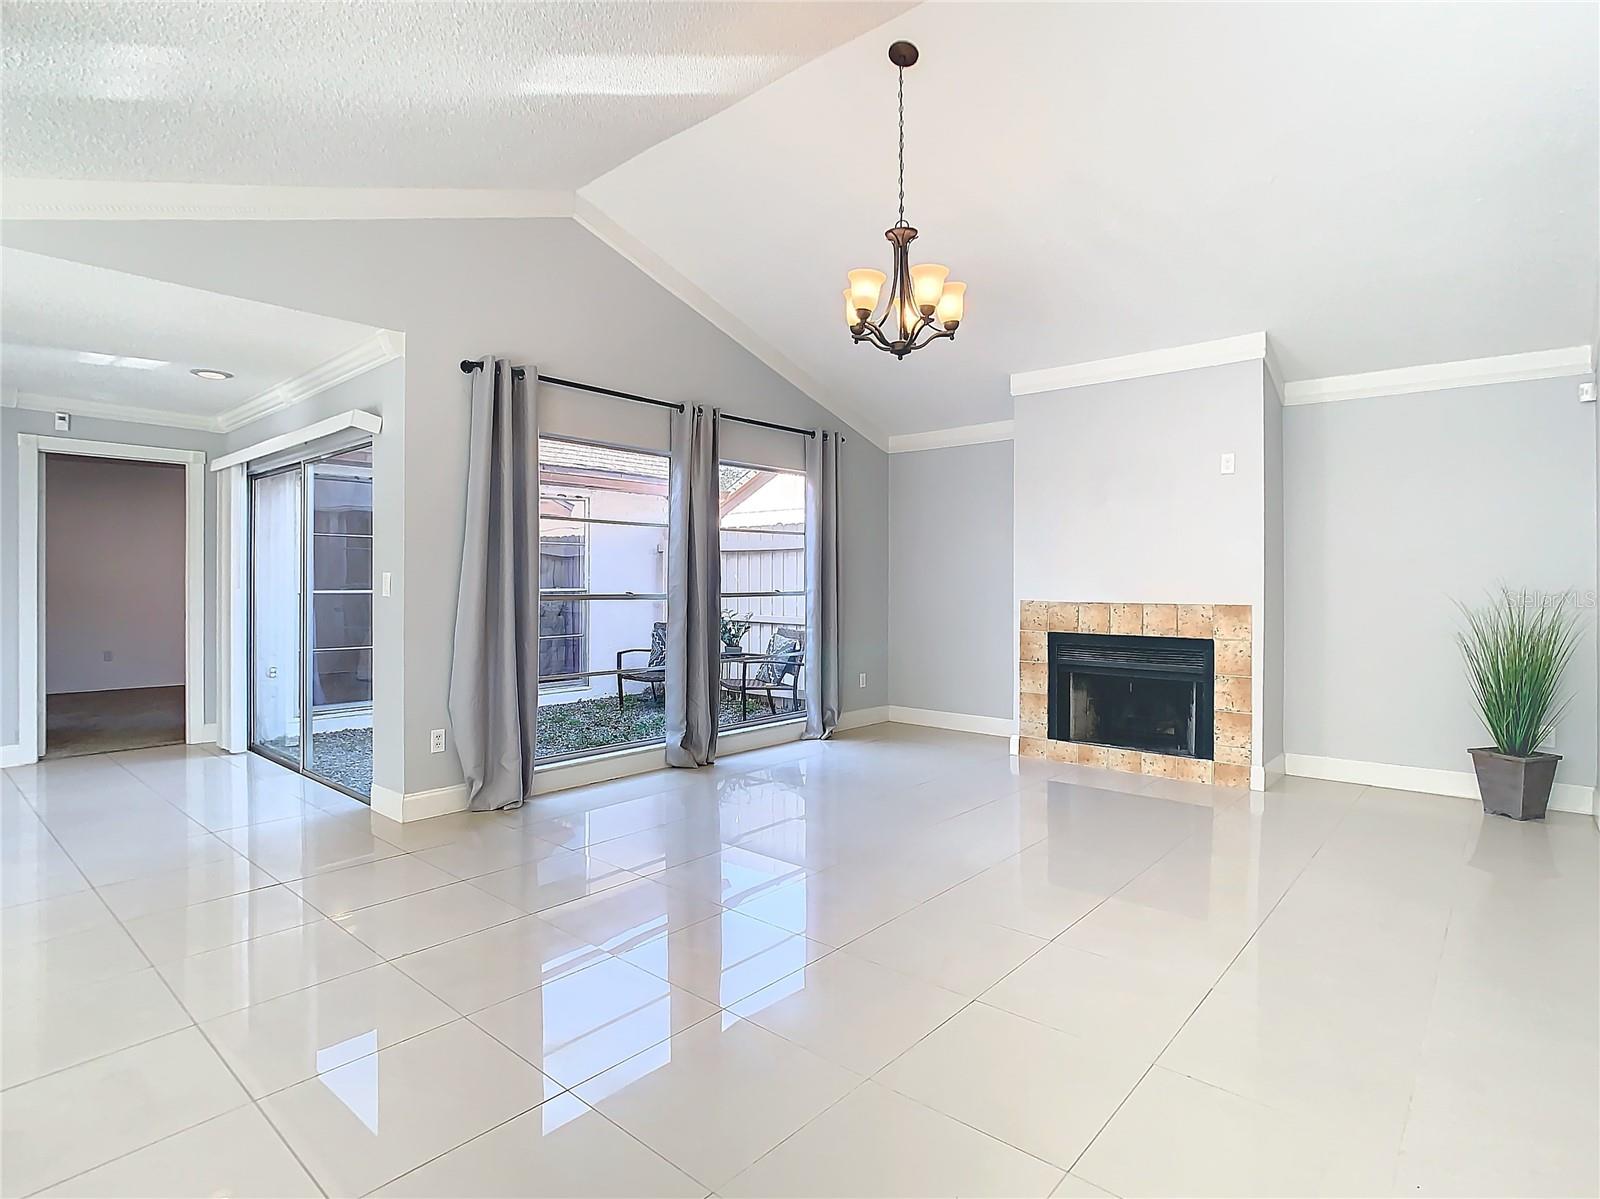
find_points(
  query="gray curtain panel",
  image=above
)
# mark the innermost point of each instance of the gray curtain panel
(822, 592)
(694, 591)
(494, 671)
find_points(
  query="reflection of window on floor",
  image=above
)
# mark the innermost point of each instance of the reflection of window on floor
(763, 532)
(602, 603)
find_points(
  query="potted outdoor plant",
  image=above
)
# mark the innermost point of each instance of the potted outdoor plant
(1516, 648)
(734, 627)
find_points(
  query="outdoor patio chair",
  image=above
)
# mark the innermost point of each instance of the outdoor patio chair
(654, 671)
(779, 670)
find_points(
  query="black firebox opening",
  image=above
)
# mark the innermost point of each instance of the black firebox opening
(1144, 693)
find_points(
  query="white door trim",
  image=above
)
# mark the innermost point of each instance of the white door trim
(30, 675)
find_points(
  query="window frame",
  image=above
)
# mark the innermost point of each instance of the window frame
(582, 679)
(767, 718)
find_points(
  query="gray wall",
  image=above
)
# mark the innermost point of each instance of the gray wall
(1120, 495)
(17, 420)
(1394, 508)
(950, 602)
(114, 548)
(544, 292)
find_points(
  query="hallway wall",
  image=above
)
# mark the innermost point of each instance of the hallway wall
(113, 574)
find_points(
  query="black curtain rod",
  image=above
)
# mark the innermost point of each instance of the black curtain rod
(468, 365)
(767, 424)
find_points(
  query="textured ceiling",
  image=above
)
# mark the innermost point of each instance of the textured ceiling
(78, 332)
(501, 95)
(1376, 186)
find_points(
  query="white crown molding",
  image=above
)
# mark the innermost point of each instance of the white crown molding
(674, 281)
(940, 439)
(94, 200)
(1246, 348)
(1439, 376)
(383, 346)
(100, 410)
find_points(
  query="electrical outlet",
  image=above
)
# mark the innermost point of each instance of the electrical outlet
(1227, 464)
(863, 681)
(436, 741)
(387, 577)
(105, 655)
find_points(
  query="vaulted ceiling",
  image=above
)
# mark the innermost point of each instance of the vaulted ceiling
(1376, 186)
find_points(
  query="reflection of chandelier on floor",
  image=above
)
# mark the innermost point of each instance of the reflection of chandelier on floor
(920, 301)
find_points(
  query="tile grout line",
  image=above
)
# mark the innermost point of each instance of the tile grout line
(1220, 975)
(194, 1024)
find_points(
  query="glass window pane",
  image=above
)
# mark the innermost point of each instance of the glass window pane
(341, 563)
(276, 560)
(600, 482)
(763, 533)
(626, 639)
(343, 504)
(341, 620)
(340, 748)
(341, 676)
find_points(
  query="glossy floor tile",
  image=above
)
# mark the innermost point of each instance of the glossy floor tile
(365, 1123)
(899, 962)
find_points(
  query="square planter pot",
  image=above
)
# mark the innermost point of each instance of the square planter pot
(1512, 786)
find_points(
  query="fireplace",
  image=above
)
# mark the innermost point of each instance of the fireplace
(1152, 694)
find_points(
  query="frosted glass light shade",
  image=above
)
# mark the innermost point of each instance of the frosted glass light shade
(952, 303)
(865, 284)
(927, 284)
(850, 317)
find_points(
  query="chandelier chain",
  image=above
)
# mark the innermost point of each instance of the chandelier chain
(902, 74)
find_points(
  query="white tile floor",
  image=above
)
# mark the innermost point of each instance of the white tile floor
(900, 963)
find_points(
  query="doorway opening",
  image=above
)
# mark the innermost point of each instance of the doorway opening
(114, 629)
(310, 617)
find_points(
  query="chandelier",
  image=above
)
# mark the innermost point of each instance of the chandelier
(921, 303)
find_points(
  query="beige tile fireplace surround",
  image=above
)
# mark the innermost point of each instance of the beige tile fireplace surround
(1228, 627)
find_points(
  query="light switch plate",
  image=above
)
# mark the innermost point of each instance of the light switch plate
(1227, 464)
(387, 576)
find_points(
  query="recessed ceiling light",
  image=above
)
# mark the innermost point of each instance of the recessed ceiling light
(207, 373)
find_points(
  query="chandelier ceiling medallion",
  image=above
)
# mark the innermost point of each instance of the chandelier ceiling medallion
(921, 303)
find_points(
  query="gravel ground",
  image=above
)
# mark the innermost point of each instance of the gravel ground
(595, 723)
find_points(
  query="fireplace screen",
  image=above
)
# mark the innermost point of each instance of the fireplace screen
(1144, 693)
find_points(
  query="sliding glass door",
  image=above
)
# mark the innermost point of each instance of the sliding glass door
(275, 604)
(311, 618)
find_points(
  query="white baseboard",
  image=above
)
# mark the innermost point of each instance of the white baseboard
(956, 722)
(862, 717)
(206, 734)
(1564, 797)
(1262, 777)
(12, 755)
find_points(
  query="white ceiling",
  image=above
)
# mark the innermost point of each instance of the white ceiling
(1376, 186)
(469, 95)
(105, 343)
